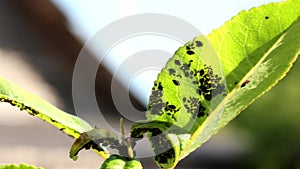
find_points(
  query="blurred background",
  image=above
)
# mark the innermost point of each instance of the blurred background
(40, 41)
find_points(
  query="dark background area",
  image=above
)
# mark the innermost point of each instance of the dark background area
(266, 135)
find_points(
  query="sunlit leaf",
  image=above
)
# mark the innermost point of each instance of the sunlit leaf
(21, 166)
(38, 107)
(120, 162)
(210, 81)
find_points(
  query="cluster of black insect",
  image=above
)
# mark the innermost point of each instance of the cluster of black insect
(109, 142)
(156, 103)
(208, 84)
(92, 145)
(190, 47)
(139, 132)
(194, 107)
(171, 110)
(185, 68)
(157, 106)
(159, 143)
(172, 72)
(21, 106)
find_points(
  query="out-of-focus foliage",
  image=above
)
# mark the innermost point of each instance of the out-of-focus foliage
(273, 124)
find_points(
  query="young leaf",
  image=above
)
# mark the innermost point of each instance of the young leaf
(21, 166)
(256, 49)
(120, 162)
(92, 140)
(36, 106)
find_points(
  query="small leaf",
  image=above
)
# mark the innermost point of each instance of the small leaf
(21, 166)
(95, 139)
(120, 162)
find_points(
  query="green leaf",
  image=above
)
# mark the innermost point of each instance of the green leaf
(198, 93)
(21, 166)
(38, 107)
(92, 140)
(120, 162)
(185, 92)
(271, 44)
